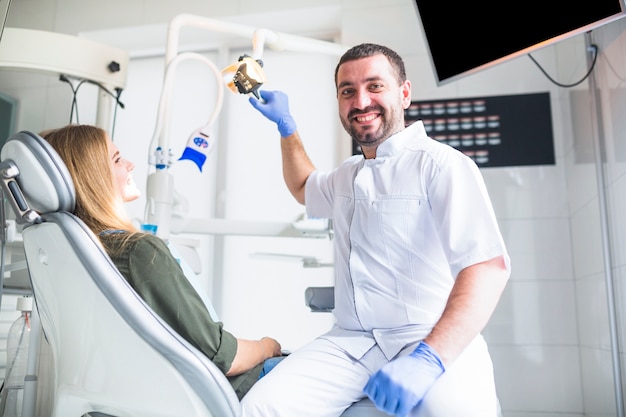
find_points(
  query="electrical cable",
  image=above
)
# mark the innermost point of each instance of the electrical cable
(612, 68)
(106, 90)
(591, 67)
(74, 91)
(116, 96)
(120, 104)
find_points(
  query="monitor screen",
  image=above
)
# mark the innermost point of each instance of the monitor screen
(467, 36)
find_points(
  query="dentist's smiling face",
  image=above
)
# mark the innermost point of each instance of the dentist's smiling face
(371, 101)
(122, 176)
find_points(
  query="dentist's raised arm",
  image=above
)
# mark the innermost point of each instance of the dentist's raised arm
(296, 164)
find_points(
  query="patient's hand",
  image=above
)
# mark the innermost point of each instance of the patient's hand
(250, 353)
(271, 347)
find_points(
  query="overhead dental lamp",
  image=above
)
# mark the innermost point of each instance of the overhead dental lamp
(246, 76)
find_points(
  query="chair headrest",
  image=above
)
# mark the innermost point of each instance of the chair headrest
(43, 178)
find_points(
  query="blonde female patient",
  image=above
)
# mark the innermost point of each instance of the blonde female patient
(103, 183)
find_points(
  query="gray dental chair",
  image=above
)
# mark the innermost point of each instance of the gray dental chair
(112, 356)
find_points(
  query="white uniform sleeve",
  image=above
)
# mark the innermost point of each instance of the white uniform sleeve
(462, 208)
(318, 196)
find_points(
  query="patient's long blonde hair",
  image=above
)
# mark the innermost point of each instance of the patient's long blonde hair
(84, 150)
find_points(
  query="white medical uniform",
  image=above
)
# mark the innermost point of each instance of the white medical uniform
(405, 224)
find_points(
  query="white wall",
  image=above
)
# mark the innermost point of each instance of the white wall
(549, 336)
(269, 294)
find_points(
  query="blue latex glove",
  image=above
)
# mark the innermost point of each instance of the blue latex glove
(400, 385)
(276, 108)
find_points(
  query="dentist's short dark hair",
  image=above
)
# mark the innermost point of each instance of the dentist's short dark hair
(366, 50)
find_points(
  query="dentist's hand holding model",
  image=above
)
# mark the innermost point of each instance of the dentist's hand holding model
(276, 109)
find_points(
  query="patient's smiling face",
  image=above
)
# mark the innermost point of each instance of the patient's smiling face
(122, 175)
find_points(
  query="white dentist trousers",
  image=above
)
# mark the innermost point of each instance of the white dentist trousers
(322, 380)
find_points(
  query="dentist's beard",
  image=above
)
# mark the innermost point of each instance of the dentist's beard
(367, 136)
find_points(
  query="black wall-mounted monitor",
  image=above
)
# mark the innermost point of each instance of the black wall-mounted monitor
(464, 37)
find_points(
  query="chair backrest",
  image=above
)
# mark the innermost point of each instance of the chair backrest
(112, 355)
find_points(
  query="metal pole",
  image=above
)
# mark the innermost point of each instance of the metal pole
(600, 152)
(29, 405)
